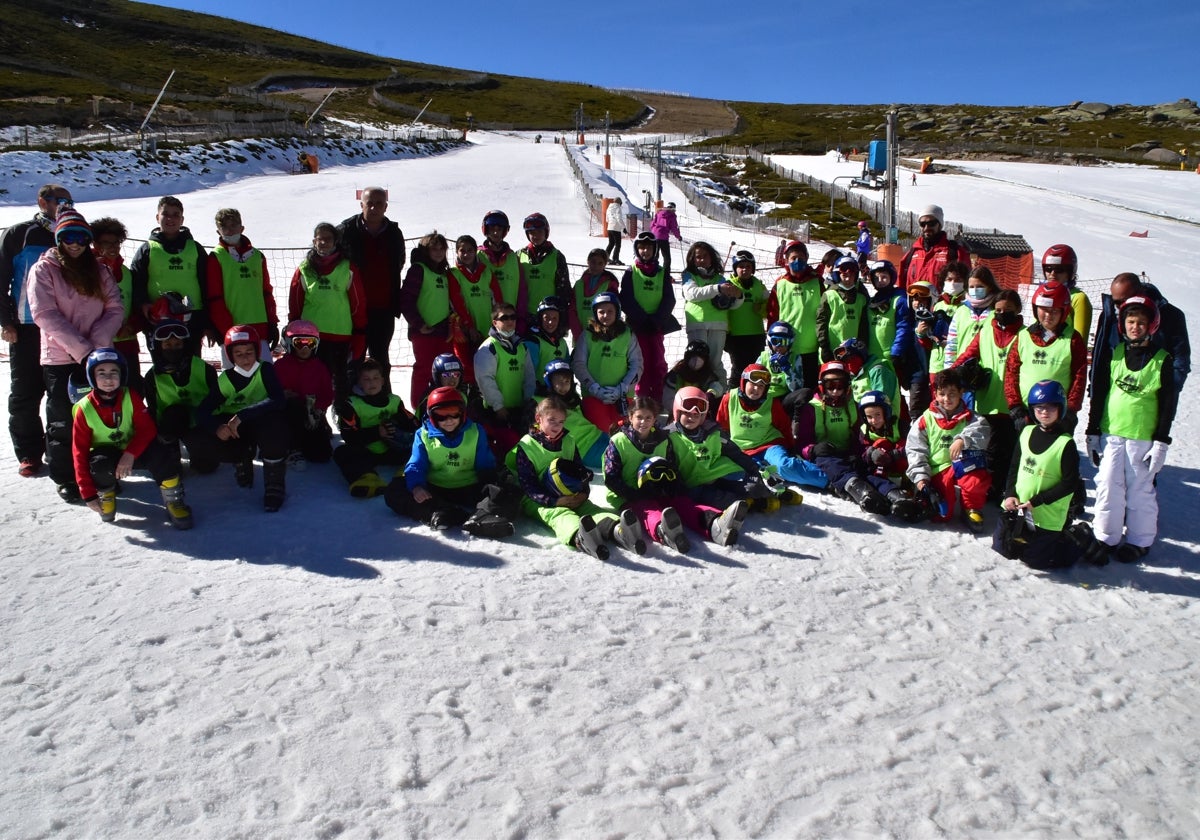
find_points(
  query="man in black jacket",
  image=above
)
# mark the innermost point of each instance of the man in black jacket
(20, 248)
(375, 244)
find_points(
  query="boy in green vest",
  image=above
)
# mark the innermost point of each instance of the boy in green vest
(504, 375)
(450, 479)
(172, 261)
(176, 385)
(545, 267)
(1039, 487)
(239, 285)
(843, 310)
(508, 280)
(113, 435)
(596, 279)
(1134, 399)
(936, 445)
(376, 430)
(882, 445)
(244, 416)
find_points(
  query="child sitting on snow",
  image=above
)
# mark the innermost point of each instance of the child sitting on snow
(555, 485)
(376, 430)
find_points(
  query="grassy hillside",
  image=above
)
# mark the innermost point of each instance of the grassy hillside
(54, 57)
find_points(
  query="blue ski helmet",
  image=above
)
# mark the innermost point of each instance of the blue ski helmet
(100, 356)
(780, 333)
(495, 218)
(557, 366)
(875, 398)
(565, 477)
(1047, 392)
(607, 297)
(444, 364)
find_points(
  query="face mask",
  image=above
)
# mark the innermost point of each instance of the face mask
(953, 289)
(506, 333)
(231, 239)
(1007, 319)
(796, 266)
(977, 292)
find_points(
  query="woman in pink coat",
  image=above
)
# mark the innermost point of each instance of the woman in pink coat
(77, 304)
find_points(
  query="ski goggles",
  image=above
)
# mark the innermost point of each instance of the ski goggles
(833, 383)
(74, 238)
(305, 341)
(165, 331)
(779, 341)
(760, 377)
(441, 415)
(694, 405)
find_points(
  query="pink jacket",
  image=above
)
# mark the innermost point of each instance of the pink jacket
(72, 324)
(665, 225)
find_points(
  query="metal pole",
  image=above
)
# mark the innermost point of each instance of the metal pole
(156, 101)
(889, 197)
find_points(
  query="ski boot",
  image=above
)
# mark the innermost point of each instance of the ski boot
(589, 538)
(491, 525)
(1093, 551)
(367, 485)
(628, 533)
(243, 472)
(274, 484)
(973, 519)
(670, 531)
(905, 508)
(108, 504)
(178, 512)
(726, 527)
(1129, 553)
(441, 520)
(860, 491)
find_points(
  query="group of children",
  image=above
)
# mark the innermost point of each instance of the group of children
(812, 396)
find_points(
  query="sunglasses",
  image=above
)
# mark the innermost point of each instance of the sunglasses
(509, 317)
(171, 331)
(304, 341)
(74, 238)
(1056, 269)
(930, 223)
(695, 405)
(761, 377)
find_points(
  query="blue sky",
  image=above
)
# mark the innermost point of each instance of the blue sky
(1021, 52)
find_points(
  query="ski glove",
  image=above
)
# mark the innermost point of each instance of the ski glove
(1157, 457)
(1020, 417)
(596, 390)
(1094, 448)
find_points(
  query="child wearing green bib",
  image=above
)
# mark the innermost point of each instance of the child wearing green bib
(327, 291)
(747, 334)
(555, 486)
(936, 444)
(239, 285)
(590, 439)
(1134, 399)
(708, 299)
(505, 378)
(1039, 487)
(425, 301)
(596, 279)
(174, 387)
(113, 434)
(451, 474)
(244, 416)
(648, 301)
(376, 430)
